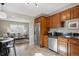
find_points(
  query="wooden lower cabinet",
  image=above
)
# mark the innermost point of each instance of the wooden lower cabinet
(45, 41)
(68, 46)
(62, 48)
(62, 45)
(73, 49)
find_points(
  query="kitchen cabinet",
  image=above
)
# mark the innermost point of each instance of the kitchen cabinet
(45, 41)
(68, 46)
(48, 23)
(56, 21)
(37, 20)
(73, 47)
(51, 21)
(62, 46)
(43, 25)
(75, 12)
(65, 15)
(43, 30)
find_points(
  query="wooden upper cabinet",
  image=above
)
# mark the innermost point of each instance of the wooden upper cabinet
(43, 25)
(37, 20)
(65, 15)
(50, 21)
(75, 12)
(43, 29)
(56, 21)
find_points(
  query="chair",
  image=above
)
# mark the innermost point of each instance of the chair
(3, 50)
(11, 44)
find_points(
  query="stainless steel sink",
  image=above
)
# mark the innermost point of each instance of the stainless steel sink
(68, 36)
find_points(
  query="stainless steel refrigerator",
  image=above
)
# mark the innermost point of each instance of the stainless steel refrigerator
(37, 34)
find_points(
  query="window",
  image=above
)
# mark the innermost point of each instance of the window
(17, 28)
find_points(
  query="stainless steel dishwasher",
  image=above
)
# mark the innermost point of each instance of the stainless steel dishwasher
(52, 43)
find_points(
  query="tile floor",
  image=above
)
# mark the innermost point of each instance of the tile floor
(23, 49)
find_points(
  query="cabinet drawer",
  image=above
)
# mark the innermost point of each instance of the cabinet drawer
(75, 41)
(63, 39)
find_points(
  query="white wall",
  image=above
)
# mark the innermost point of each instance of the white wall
(25, 19)
(31, 31)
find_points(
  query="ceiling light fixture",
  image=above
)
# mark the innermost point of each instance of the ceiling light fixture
(35, 4)
(3, 15)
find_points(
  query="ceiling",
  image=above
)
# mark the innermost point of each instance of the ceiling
(32, 10)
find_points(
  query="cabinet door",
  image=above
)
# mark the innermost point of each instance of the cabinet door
(45, 41)
(56, 21)
(48, 23)
(62, 48)
(74, 49)
(75, 12)
(65, 15)
(43, 25)
(43, 30)
(51, 21)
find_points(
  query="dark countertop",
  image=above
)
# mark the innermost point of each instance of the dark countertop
(75, 37)
(66, 35)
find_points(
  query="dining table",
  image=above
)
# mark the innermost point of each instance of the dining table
(7, 41)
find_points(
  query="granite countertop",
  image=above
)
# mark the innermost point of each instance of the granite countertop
(76, 37)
